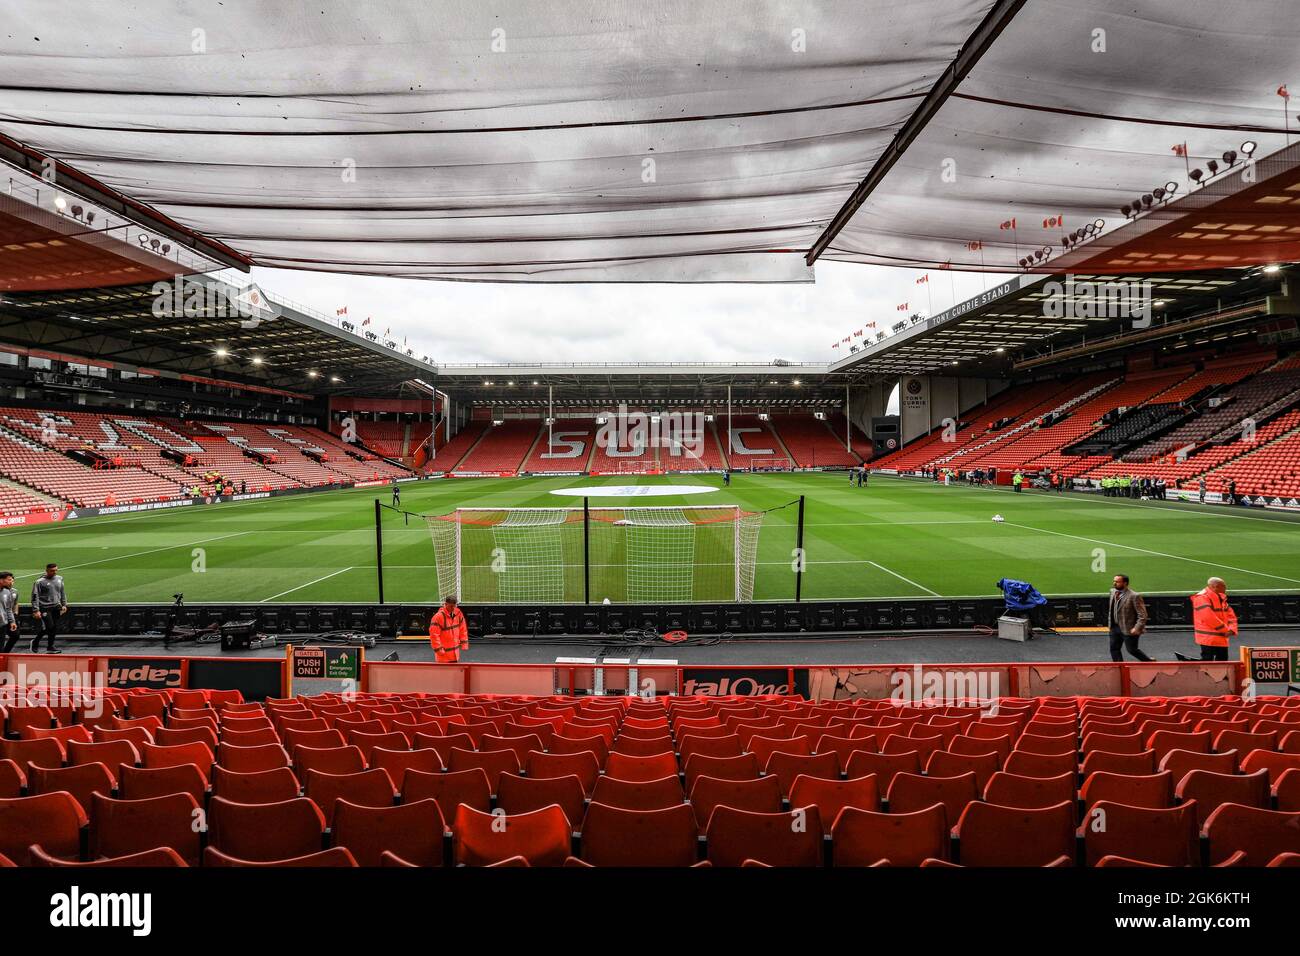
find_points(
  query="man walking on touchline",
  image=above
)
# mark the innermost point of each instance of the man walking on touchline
(49, 603)
(1127, 619)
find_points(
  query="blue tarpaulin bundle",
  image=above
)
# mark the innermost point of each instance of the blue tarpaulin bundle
(1020, 595)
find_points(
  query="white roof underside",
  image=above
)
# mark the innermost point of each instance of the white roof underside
(673, 140)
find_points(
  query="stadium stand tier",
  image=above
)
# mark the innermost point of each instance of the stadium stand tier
(1233, 419)
(418, 779)
(51, 458)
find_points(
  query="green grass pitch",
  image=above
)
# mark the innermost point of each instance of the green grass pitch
(897, 538)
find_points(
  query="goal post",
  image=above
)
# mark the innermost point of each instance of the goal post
(637, 466)
(773, 464)
(634, 555)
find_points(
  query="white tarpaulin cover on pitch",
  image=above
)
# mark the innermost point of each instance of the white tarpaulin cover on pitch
(672, 140)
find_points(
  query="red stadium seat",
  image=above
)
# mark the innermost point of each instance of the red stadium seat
(832, 796)
(993, 835)
(1260, 834)
(125, 827)
(141, 783)
(45, 752)
(492, 762)
(740, 767)
(1153, 791)
(582, 765)
(614, 836)
(1165, 837)
(1275, 763)
(542, 837)
(1286, 791)
(1138, 763)
(884, 766)
(262, 786)
(336, 760)
(251, 759)
(866, 838)
(332, 858)
(53, 820)
(1029, 793)
(1211, 790)
(945, 764)
(154, 756)
(638, 794)
(367, 788)
(516, 794)
(762, 795)
(777, 839)
(911, 792)
(786, 767)
(151, 859)
(396, 762)
(12, 780)
(80, 781)
(442, 744)
(450, 790)
(1181, 762)
(412, 831)
(265, 831)
(653, 767)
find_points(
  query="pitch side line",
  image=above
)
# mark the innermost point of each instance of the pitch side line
(308, 584)
(901, 578)
(1084, 498)
(1161, 554)
(123, 557)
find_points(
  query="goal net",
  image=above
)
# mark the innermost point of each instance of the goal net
(637, 466)
(630, 555)
(773, 464)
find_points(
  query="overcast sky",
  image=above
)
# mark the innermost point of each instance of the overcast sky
(455, 322)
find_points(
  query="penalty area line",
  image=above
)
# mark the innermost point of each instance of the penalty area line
(901, 578)
(308, 584)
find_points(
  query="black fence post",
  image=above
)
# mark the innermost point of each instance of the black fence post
(799, 556)
(379, 550)
(586, 550)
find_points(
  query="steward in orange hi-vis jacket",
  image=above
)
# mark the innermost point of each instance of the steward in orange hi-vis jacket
(448, 633)
(1213, 621)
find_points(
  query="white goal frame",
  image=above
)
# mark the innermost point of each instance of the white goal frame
(784, 463)
(745, 528)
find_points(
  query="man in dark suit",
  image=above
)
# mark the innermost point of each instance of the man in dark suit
(1127, 620)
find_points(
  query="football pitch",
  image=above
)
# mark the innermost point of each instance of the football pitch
(896, 538)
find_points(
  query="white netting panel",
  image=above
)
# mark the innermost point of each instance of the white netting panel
(660, 555)
(641, 555)
(528, 556)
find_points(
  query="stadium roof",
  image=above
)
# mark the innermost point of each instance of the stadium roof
(731, 140)
(220, 331)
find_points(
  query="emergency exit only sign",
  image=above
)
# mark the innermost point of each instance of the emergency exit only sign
(1273, 665)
